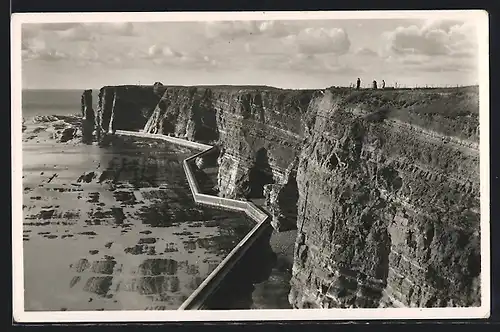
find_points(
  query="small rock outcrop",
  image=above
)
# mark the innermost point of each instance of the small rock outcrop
(200, 162)
(88, 122)
(87, 177)
(281, 201)
(67, 134)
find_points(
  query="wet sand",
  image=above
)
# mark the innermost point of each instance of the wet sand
(115, 227)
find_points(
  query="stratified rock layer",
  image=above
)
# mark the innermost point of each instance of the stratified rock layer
(88, 122)
(383, 186)
(258, 129)
(388, 211)
(125, 107)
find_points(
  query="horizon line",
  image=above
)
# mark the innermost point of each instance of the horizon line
(402, 87)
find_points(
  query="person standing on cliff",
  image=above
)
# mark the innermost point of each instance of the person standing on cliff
(383, 84)
(358, 83)
(374, 84)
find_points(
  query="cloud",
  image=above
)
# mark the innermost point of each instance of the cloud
(448, 67)
(164, 54)
(119, 29)
(91, 31)
(237, 29)
(199, 60)
(88, 53)
(76, 33)
(230, 29)
(274, 28)
(409, 59)
(159, 51)
(427, 63)
(319, 41)
(52, 26)
(307, 64)
(365, 51)
(36, 49)
(434, 38)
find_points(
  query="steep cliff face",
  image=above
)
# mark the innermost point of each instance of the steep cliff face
(88, 122)
(388, 209)
(259, 131)
(125, 107)
(185, 112)
(383, 186)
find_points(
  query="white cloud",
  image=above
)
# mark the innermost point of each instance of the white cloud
(409, 59)
(365, 51)
(236, 29)
(36, 49)
(76, 33)
(448, 67)
(162, 51)
(197, 59)
(320, 40)
(230, 29)
(51, 26)
(120, 29)
(166, 55)
(451, 38)
(88, 53)
(435, 46)
(307, 63)
(428, 63)
(274, 28)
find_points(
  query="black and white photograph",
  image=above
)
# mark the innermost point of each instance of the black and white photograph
(250, 166)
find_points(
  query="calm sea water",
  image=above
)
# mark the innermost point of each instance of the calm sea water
(133, 241)
(49, 102)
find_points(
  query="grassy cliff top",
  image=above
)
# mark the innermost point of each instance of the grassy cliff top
(449, 111)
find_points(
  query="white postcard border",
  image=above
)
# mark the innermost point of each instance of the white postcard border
(20, 315)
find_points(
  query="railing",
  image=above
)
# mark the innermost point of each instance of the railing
(175, 140)
(199, 297)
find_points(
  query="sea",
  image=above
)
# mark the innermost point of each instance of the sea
(112, 228)
(50, 102)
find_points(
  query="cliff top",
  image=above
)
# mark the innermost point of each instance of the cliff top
(471, 89)
(215, 87)
(449, 111)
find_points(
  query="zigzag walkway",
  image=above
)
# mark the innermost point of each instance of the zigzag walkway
(208, 287)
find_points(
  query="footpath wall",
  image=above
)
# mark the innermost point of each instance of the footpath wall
(208, 287)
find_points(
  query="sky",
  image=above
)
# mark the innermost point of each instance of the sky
(287, 54)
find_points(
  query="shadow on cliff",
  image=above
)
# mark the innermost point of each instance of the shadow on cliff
(260, 174)
(255, 267)
(204, 118)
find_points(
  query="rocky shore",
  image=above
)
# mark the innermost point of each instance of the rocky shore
(112, 228)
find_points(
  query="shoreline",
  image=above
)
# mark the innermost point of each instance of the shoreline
(107, 220)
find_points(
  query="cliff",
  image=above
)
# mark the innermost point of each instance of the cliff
(388, 209)
(125, 107)
(258, 131)
(383, 186)
(88, 122)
